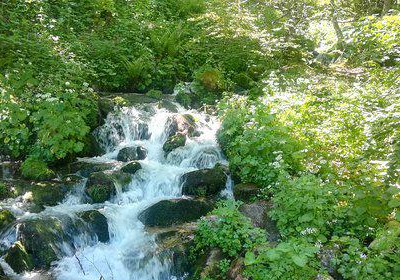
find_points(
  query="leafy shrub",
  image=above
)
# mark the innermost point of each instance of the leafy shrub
(230, 231)
(36, 169)
(290, 260)
(374, 40)
(259, 148)
(156, 94)
(307, 206)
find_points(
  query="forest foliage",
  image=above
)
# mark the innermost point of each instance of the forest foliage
(310, 114)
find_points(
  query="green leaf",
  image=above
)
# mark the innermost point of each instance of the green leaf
(250, 258)
(299, 260)
(394, 203)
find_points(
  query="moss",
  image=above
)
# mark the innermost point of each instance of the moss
(174, 142)
(245, 191)
(36, 169)
(49, 193)
(176, 211)
(155, 94)
(4, 191)
(132, 167)
(18, 259)
(98, 223)
(100, 186)
(6, 218)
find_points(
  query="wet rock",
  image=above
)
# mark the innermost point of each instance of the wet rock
(326, 255)
(100, 186)
(168, 105)
(40, 241)
(245, 191)
(132, 167)
(6, 219)
(174, 211)
(18, 259)
(173, 142)
(236, 269)
(106, 105)
(204, 182)
(184, 124)
(144, 133)
(132, 153)
(257, 212)
(49, 193)
(98, 223)
(86, 168)
(91, 148)
(211, 266)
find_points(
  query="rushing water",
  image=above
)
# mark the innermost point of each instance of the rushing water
(130, 253)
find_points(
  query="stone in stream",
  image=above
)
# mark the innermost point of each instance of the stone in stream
(132, 167)
(184, 124)
(100, 186)
(245, 191)
(39, 243)
(174, 211)
(132, 153)
(18, 259)
(98, 224)
(204, 182)
(84, 168)
(257, 212)
(173, 142)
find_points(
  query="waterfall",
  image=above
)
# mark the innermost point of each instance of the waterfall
(131, 252)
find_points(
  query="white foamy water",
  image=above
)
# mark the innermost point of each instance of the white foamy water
(131, 252)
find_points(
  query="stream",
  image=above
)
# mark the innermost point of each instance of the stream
(130, 253)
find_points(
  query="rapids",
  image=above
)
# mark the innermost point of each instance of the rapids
(131, 252)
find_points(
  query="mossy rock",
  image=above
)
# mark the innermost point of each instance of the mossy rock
(5, 192)
(100, 186)
(91, 147)
(35, 169)
(168, 105)
(173, 142)
(132, 153)
(49, 193)
(245, 191)
(6, 219)
(86, 168)
(132, 167)
(174, 211)
(18, 259)
(98, 223)
(204, 182)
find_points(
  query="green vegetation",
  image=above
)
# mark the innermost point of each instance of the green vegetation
(307, 92)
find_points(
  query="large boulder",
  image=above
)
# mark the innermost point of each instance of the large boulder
(132, 153)
(204, 182)
(257, 212)
(40, 242)
(132, 167)
(18, 259)
(245, 191)
(97, 222)
(173, 142)
(100, 186)
(184, 124)
(174, 211)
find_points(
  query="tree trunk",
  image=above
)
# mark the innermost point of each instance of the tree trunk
(336, 26)
(387, 5)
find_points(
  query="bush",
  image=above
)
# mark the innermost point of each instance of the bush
(309, 207)
(36, 169)
(290, 260)
(230, 231)
(155, 94)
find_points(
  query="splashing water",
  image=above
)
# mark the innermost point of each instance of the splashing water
(131, 252)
